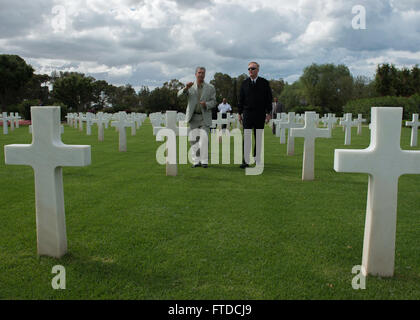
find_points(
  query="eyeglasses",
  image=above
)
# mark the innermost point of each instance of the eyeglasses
(252, 69)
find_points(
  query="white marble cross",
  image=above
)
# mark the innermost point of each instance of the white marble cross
(290, 124)
(310, 132)
(347, 124)
(171, 123)
(61, 129)
(81, 119)
(75, 120)
(157, 119)
(220, 121)
(5, 120)
(415, 124)
(359, 121)
(138, 119)
(232, 120)
(330, 122)
(120, 125)
(100, 122)
(89, 122)
(12, 121)
(69, 117)
(385, 162)
(17, 119)
(47, 155)
(280, 129)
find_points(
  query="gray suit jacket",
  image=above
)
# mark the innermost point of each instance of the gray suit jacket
(208, 95)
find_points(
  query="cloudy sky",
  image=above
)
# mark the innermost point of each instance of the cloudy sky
(148, 42)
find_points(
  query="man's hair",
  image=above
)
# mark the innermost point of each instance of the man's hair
(200, 68)
(258, 66)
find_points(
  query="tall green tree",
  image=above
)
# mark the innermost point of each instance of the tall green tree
(37, 88)
(415, 78)
(223, 84)
(14, 75)
(124, 98)
(143, 95)
(237, 83)
(100, 95)
(292, 96)
(75, 90)
(162, 99)
(327, 86)
(277, 87)
(363, 87)
(386, 79)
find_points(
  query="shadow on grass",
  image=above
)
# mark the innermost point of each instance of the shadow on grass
(148, 281)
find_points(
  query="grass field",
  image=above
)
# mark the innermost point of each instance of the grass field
(214, 233)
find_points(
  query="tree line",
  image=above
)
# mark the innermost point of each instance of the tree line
(322, 88)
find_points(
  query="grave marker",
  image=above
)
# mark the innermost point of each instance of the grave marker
(347, 124)
(310, 132)
(414, 124)
(120, 126)
(47, 155)
(385, 162)
(171, 124)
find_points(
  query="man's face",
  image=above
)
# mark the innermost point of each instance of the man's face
(200, 75)
(253, 70)
(224, 101)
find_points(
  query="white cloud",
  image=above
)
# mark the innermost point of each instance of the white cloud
(282, 37)
(148, 42)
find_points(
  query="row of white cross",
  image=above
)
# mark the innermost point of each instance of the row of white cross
(13, 118)
(231, 120)
(120, 121)
(158, 119)
(383, 161)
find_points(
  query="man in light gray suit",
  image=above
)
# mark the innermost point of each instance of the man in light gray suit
(201, 99)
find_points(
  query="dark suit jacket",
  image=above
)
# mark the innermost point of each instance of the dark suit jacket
(278, 108)
(255, 98)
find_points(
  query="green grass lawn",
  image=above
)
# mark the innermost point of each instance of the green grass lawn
(214, 233)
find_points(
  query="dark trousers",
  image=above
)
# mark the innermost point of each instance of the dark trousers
(252, 120)
(224, 116)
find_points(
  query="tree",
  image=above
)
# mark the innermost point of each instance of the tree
(37, 88)
(174, 102)
(363, 87)
(161, 99)
(143, 95)
(292, 96)
(223, 84)
(100, 95)
(277, 87)
(74, 90)
(124, 98)
(14, 75)
(415, 78)
(385, 80)
(328, 86)
(237, 83)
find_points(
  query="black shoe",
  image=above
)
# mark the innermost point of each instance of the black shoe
(196, 165)
(205, 166)
(244, 165)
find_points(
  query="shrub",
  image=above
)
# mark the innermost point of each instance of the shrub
(302, 109)
(410, 105)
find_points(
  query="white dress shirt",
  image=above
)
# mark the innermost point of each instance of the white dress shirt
(254, 80)
(224, 108)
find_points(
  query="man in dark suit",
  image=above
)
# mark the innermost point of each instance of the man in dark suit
(255, 106)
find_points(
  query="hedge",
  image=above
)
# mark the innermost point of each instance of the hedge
(410, 105)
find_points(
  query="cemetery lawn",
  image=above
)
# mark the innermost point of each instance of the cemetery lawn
(214, 233)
